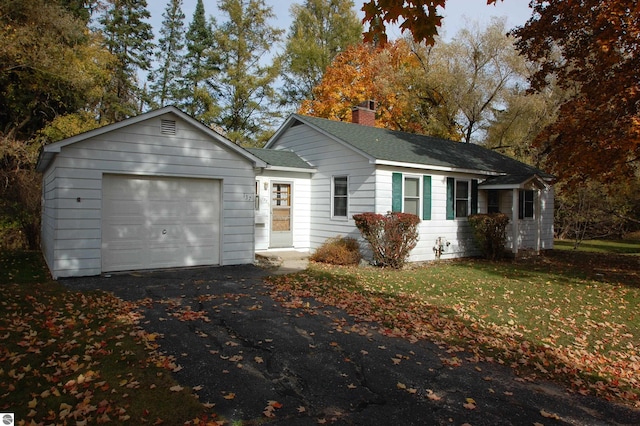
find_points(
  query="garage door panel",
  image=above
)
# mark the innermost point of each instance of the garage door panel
(154, 222)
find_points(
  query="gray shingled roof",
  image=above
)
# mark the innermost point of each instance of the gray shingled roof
(389, 145)
(280, 158)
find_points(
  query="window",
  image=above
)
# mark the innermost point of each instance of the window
(462, 198)
(527, 204)
(493, 202)
(412, 195)
(340, 196)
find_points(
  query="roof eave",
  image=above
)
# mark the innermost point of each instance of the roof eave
(436, 168)
(290, 169)
(49, 152)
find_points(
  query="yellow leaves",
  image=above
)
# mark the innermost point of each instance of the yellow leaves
(470, 404)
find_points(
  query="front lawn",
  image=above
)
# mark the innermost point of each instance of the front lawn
(80, 358)
(566, 316)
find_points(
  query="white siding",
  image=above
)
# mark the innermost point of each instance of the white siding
(456, 232)
(301, 208)
(331, 158)
(73, 182)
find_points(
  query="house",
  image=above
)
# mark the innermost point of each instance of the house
(162, 190)
(360, 168)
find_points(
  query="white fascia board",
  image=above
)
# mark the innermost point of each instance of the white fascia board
(290, 169)
(436, 168)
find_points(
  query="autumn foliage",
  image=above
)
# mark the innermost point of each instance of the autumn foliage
(591, 50)
(420, 17)
(338, 251)
(391, 236)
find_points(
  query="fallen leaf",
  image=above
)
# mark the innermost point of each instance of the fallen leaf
(258, 360)
(176, 388)
(230, 395)
(401, 386)
(549, 415)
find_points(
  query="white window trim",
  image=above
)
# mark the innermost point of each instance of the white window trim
(522, 204)
(333, 195)
(420, 191)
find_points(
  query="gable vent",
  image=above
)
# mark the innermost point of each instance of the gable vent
(168, 127)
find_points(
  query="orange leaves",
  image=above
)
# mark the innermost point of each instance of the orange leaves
(361, 73)
(58, 345)
(588, 331)
(272, 406)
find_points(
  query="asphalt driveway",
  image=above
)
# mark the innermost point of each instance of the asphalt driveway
(243, 350)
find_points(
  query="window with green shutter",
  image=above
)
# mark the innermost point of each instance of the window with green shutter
(408, 197)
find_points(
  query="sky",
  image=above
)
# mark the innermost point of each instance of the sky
(457, 14)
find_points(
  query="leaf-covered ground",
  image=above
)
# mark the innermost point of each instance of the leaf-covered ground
(570, 317)
(80, 358)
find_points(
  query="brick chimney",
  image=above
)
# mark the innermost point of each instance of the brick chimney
(364, 113)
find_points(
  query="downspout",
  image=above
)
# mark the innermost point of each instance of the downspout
(538, 214)
(515, 225)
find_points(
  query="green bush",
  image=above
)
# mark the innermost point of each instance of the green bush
(490, 233)
(391, 236)
(338, 251)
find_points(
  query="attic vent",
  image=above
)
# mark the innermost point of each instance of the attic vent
(168, 127)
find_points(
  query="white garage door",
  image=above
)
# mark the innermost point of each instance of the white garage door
(159, 222)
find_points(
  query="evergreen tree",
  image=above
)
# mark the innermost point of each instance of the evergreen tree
(129, 38)
(202, 63)
(165, 80)
(245, 82)
(321, 29)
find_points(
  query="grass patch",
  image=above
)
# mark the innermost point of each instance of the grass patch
(601, 246)
(80, 358)
(565, 316)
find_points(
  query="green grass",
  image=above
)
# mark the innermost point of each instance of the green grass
(561, 316)
(601, 246)
(79, 358)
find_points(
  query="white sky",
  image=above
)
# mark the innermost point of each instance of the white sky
(456, 14)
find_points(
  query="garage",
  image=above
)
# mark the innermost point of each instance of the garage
(158, 190)
(159, 222)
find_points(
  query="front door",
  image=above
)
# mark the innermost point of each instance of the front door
(281, 198)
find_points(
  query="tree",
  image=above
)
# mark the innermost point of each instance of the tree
(320, 30)
(245, 82)
(591, 49)
(49, 66)
(165, 80)
(390, 75)
(202, 64)
(475, 73)
(129, 38)
(420, 17)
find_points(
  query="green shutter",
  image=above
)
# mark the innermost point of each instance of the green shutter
(426, 197)
(396, 192)
(474, 196)
(451, 186)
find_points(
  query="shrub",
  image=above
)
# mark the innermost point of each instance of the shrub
(338, 251)
(391, 236)
(490, 233)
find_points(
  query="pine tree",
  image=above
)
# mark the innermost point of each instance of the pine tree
(321, 29)
(245, 82)
(166, 87)
(129, 38)
(202, 63)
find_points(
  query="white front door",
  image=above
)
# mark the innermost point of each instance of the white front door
(159, 222)
(281, 215)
